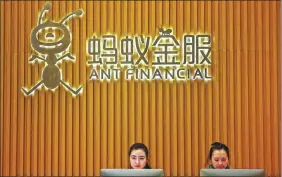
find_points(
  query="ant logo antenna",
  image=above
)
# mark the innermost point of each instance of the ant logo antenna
(51, 75)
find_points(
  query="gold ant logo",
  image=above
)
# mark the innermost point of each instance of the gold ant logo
(51, 75)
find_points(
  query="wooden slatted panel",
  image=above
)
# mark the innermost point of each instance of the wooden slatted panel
(54, 133)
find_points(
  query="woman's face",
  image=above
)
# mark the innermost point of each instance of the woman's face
(219, 159)
(138, 159)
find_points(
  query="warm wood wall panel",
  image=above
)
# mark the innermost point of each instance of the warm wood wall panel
(54, 133)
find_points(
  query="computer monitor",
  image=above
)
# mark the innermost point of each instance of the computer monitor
(232, 172)
(131, 172)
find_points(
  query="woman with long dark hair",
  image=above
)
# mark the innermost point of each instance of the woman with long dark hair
(139, 156)
(219, 156)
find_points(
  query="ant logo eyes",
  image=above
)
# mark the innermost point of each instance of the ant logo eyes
(51, 75)
(165, 32)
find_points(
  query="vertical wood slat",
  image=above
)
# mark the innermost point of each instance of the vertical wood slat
(76, 111)
(110, 97)
(202, 95)
(188, 102)
(89, 97)
(83, 103)
(131, 91)
(41, 119)
(104, 89)
(97, 98)
(274, 77)
(48, 119)
(55, 108)
(54, 133)
(6, 90)
(223, 77)
(173, 100)
(215, 56)
(238, 92)
(209, 97)
(159, 100)
(259, 83)
(137, 85)
(62, 112)
(194, 99)
(35, 106)
(279, 52)
(245, 82)
(69, 114)
(166, 101)
(1, 90)
(14, 91)
(117, 97)
(252, 79)
(27, 112)
(231, 83)
(144, 107)
(180, 93)
(266, 82)
(279, 5)
(152, 92)
(124, 92)
(179, 96)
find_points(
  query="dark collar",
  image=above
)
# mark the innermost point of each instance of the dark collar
(211, 166)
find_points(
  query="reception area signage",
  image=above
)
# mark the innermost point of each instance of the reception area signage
(113, 57)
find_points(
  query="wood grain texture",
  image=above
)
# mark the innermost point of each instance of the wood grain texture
(54, 133)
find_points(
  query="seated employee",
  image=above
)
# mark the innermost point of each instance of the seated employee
(138, 155)
(219, 156)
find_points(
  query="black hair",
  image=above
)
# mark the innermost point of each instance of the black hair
(144, 148)
(218, 146)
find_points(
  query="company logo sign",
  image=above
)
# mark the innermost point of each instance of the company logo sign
(51, 49)
(137, 57)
